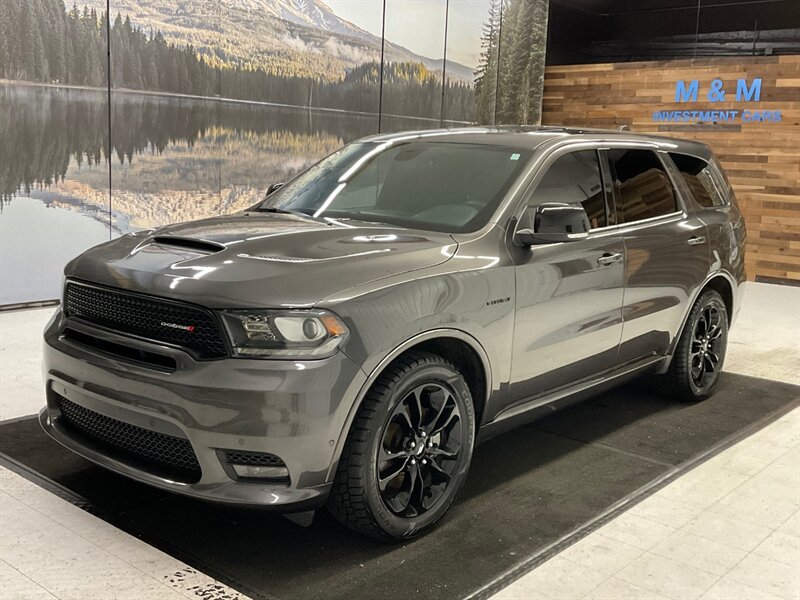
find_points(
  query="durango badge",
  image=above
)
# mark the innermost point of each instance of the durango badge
(176, 326)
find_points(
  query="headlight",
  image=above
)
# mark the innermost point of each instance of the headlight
(284, 334)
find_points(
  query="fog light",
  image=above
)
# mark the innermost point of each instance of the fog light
(261, 472)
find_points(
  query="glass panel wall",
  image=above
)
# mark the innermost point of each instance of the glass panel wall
(413, 64)
(295, 86)
(166, 164)
(210, 102)
(53, 143)
(472, 38)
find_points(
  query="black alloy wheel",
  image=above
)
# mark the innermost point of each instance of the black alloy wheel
(419, 450)
(700, 353)
(706, 347)
(408, 450)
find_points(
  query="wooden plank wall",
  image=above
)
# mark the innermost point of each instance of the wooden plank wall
(762, 159)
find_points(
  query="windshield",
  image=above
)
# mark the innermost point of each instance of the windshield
(439, 186)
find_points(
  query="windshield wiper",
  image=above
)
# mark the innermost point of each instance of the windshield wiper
(275, 209)
(285, 211)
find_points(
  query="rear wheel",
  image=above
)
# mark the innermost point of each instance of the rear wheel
(408, 450)
(697, 363)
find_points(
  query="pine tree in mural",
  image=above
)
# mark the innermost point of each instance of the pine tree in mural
(486, 73)
(511, 74)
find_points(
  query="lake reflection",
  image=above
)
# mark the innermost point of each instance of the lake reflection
(36, 241)
(172, 160)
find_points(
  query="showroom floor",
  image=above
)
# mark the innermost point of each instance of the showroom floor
(726, 529)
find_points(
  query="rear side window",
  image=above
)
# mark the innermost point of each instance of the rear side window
(699, 176)
(575, 179)
(642, 187)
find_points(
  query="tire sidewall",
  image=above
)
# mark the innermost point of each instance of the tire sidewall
(400, 527)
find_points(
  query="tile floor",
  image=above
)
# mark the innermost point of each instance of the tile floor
(729, 529)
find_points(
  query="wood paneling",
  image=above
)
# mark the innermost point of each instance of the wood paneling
(762, 159)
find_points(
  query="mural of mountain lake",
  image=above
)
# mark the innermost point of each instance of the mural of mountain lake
(173, 159)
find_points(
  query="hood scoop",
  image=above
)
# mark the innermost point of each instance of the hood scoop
(195, 245)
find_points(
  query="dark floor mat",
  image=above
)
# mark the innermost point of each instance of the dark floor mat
(526, 489)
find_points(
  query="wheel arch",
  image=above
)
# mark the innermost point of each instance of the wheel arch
(722, 283)
(724, 288)
(456, 345)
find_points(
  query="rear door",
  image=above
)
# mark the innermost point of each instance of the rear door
(714, 202)
(569, 295)
(666, 246)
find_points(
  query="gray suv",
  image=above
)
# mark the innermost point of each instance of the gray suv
(347, 341)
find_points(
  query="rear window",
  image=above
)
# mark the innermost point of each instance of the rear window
(700, 178)
(643, 189)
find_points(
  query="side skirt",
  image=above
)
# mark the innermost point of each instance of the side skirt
(536, 407)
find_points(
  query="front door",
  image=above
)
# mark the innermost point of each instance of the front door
(569, 294)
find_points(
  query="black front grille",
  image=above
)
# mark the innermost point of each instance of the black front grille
(157, 452)
(151, 318)
(260, 459)
(151, 359)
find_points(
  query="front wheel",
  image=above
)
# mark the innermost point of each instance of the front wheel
(697, 363)
(408, 451)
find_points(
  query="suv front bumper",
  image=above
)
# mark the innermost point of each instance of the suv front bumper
(294, 410)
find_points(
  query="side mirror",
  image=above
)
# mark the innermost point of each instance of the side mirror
(552, 222)
(273, 188)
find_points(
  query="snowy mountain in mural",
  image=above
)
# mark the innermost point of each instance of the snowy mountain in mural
(286, 37)
(311, 13)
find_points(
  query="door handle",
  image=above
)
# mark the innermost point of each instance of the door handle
(609, 258)
(696, 240)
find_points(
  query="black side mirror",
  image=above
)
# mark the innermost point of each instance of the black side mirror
(274, 187)
(552, 222)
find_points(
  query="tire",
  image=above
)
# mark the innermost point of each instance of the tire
(697, 362)
(378, 451)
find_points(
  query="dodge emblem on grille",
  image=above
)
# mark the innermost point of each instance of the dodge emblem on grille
(177, 326)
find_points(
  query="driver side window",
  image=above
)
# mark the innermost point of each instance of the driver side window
(575, 179)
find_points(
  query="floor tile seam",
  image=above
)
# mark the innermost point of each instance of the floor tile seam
(710, 539)
(617, 571)
(34, 582)
(744, 558)
(747, 553)
(519, 583)
(673, 559)
(787, 520)
(749, 477)
(718, 577)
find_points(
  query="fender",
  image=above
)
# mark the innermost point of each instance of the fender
(695, 295)
(376, 372)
